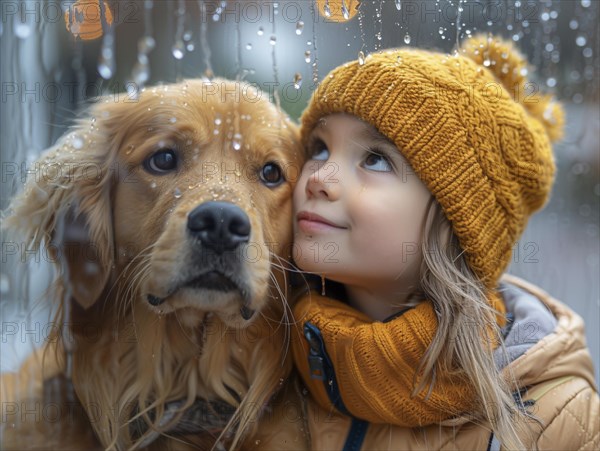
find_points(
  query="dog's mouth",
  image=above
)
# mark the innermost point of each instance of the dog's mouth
(211, 280)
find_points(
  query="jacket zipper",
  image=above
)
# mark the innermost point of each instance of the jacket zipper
(321, 368)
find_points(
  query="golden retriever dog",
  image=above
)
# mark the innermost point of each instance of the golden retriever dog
(169, 219)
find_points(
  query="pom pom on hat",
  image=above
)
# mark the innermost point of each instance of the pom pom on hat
(511, 68)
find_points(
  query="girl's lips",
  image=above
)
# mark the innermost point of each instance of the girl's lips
(312, 223)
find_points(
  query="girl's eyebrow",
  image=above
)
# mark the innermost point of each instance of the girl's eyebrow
(377, 140)
(382, 145)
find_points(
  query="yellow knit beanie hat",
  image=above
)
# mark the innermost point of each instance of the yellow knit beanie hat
(474, 130)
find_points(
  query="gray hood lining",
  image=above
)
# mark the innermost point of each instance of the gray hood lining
(529, 320)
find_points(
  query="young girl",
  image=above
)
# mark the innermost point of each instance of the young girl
(423, 171)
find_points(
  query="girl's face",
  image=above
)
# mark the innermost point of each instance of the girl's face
(359, 208)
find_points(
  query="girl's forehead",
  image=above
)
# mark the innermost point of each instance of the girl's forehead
(343, 122)
(347, 125)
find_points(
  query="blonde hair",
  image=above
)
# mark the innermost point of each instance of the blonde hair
(466, 327)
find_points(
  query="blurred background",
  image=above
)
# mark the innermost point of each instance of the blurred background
(56, 56)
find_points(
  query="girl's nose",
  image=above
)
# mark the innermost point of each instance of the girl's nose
(324, 182)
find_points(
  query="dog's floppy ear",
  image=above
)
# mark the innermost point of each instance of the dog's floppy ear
(65, 204)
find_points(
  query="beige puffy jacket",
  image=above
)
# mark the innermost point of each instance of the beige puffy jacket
(547, 354)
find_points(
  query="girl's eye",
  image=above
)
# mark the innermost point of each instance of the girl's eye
(379, 163)
(161, 162)
(271, 174)
(319, 151)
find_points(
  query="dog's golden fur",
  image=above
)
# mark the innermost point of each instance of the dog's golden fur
(118, 234)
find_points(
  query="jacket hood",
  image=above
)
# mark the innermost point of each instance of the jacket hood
(546, 340)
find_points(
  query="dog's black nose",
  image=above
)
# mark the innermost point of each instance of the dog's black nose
(220, 226)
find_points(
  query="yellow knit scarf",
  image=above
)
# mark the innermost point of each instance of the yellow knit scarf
(374, 363)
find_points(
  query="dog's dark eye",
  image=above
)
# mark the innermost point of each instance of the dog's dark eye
(271, 174)
(161, 162)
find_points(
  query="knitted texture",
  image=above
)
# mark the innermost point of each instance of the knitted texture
(471, 128)
(375, 364)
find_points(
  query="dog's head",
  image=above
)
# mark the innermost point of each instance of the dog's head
(157, 211)
(179, 199)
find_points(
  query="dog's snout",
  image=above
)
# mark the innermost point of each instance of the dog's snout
(220, 226)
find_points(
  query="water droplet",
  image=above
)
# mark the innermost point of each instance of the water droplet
(299, 27)
(273, 40)
(361, 58)
(22, 29)
(297, 80)
(523, 72)
(249, 46)
(487, 62)
(173, 120)
(146, 44)
(178, 49)
(407, 39)
(398, 5)
(581, 41)
(573, 24)
(140, 73)
(586, 3)
(307, 56)
(106, 67)
(218, 121)
(260, 31)
(545, 16)
(177, 193)
(190, 46)
(345, 11)
(237, 141)
(587, 52)
(153, 185)
(187, 35)
(77, 142)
